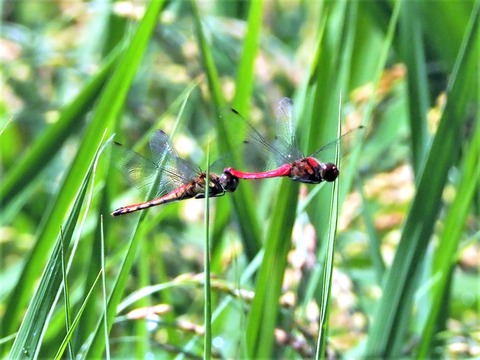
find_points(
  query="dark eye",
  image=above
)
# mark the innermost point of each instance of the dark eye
(330, 172)
(228, 182)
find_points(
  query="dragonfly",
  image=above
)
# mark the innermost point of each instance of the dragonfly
(288, 159)
(176, 178)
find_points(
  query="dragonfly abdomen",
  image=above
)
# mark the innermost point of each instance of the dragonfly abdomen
(185, 192)
(284, 170)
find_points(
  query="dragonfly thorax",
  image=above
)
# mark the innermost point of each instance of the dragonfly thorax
(309, 170)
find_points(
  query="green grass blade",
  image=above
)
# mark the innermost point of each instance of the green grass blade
(66, 295)
(75, 323)
(264, 310)
(450, 239)
(243, 197)
(108, 109)
(336, 58)
(207, 350)
(90, 319)
(413, 53)
(392, 312)
(245, 74)
(333, 62)
(449, 21)
(375, 243)
(208, 62)
(34, 324)
(328, 78)
(325, 297)
(47, 145)
(118, 86)
(104, 291)
(390, 60)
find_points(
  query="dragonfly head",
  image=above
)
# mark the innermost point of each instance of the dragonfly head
(228, 182)
(329, 172)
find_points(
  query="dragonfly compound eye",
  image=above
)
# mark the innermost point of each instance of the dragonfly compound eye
(329, 172)
(229, 182)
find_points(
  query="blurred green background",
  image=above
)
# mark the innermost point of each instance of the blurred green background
(398, 278)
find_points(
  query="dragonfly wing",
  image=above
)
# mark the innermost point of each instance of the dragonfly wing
(327, 152)
(255, 151)
(285, 128)
(248, 148)
(285, 139)
(166, 157)
(142, 172)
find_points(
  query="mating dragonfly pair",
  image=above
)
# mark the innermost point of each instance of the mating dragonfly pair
(179, 179)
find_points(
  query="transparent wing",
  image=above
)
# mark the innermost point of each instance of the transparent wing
(162, 172)
(256, 152)
(165, 156)
(327, 152)
(285, 139)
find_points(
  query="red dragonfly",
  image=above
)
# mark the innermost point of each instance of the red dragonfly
(177, 178)
(286, 155)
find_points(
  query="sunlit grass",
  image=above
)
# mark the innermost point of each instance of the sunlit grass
(407, 71)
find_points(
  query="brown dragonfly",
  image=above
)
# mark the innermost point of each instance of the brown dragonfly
(176, 178)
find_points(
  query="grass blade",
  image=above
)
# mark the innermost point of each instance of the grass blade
(47, 145)
(264, 310)
(242, 200)
(385, 337)
(34, 324)
(413, 53)
(207, 352)
(74, 324)
(324, 303)
(118, 88)
(450, 239)
(245, 75)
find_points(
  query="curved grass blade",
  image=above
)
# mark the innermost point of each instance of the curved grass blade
(450, 239)
(66, 340)
(392, 315)
(34, 324)
(412, 48)
(245, 75)
(108, 109)
(90, 319)
(119, 85)
(46, 146)
(207, 347)
(330, 75)
(242, 200)
(264, 310)
(324, 306)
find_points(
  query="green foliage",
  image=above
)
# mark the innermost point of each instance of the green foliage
(374, 265)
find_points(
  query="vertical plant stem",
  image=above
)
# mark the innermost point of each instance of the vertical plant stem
(328, 264)
(207, 351)
(104, 289)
